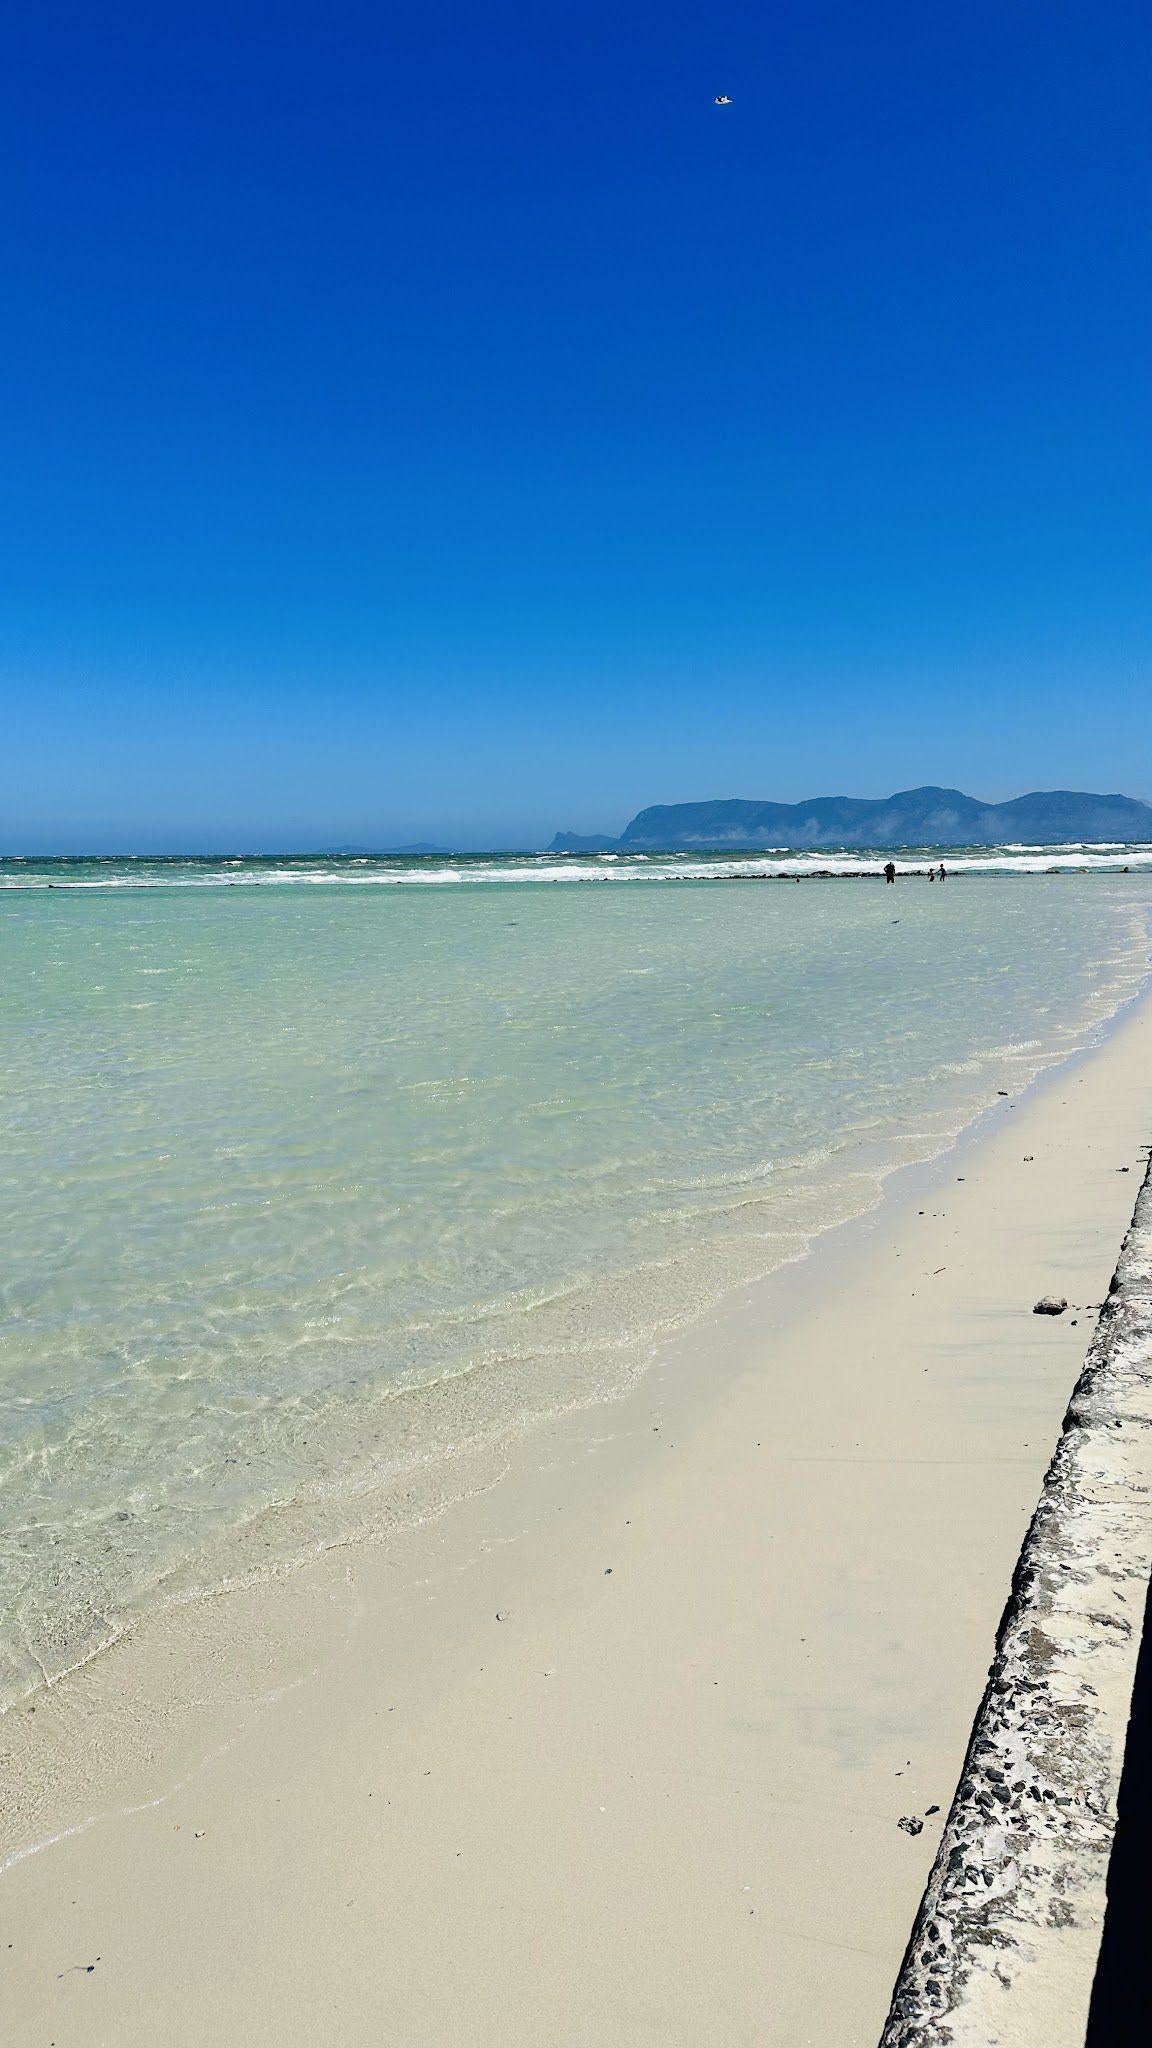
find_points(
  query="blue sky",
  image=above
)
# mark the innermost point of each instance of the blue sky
(442, 421)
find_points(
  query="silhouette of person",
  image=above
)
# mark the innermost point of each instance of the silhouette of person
(889, 871)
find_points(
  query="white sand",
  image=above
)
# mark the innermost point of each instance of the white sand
(747, 1614)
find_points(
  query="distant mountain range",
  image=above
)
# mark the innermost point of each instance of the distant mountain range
(913, 817)
(382, 852)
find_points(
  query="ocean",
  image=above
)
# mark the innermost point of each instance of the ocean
(318, 1174)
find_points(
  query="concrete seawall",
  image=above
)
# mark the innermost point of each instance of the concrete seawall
(1005, 1945)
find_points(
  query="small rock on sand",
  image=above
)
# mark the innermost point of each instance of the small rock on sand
(911, 1824)
(1050, 1305)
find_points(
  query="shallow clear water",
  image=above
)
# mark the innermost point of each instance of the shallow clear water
(303, 1187)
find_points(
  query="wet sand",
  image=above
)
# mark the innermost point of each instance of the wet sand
(614, 1750)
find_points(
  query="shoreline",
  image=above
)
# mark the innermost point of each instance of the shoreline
(433, 1440)
(462, 1426)
(760, 1611)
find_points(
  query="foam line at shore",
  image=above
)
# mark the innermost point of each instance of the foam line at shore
(384, 872)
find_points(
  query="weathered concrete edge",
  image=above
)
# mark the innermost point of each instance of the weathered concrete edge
(1005, 1944)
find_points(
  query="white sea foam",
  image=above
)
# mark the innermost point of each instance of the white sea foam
(363, 871)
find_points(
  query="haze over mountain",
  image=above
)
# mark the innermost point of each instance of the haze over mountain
(418, 846)
(913, 817)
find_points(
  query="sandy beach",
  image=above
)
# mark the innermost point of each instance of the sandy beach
(616, 1749)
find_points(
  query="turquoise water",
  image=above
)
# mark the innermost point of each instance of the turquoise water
(304, 1187)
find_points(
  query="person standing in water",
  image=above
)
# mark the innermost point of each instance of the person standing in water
(941, 871)
(889, 871)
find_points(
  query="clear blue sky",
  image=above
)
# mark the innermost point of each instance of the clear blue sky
(442, 421)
